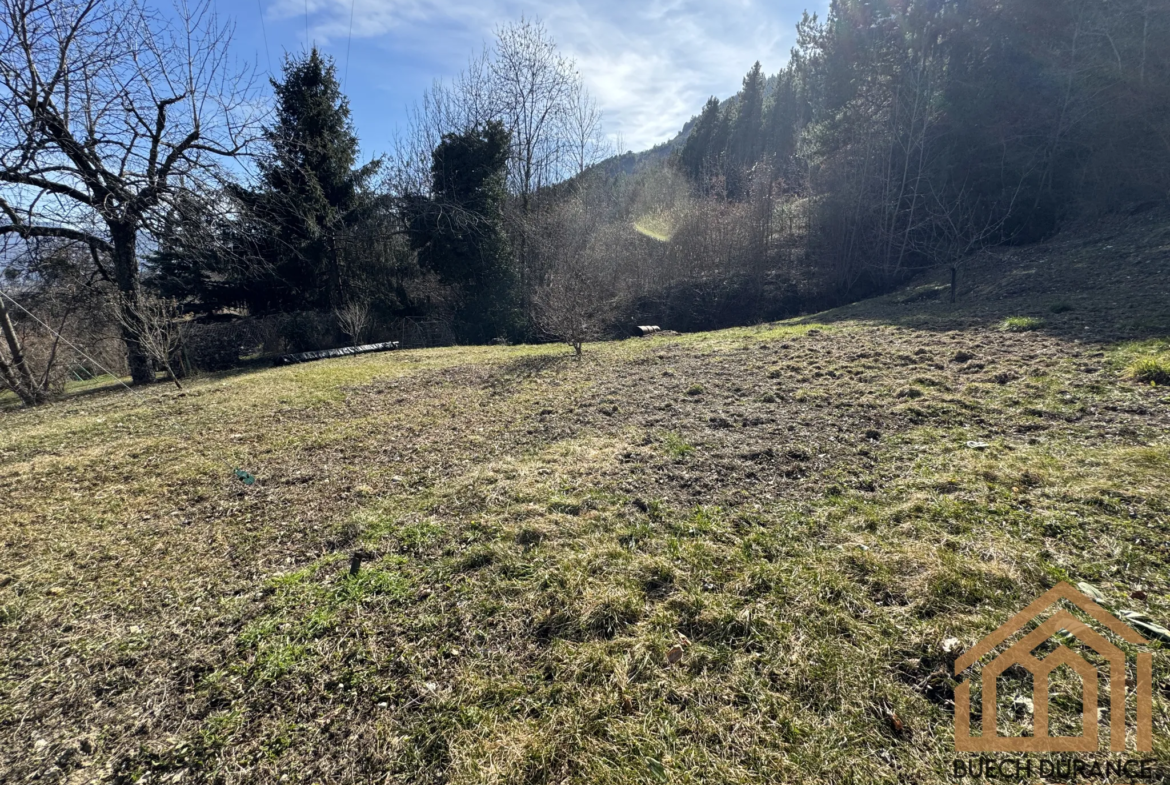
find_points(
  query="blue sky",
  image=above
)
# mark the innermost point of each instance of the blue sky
(650, 65)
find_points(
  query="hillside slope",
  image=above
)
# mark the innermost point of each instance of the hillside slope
(1106, 281)
(808, 510)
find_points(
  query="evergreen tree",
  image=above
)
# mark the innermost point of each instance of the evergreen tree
(744, 146)
(696, 153)
(193, 262)
(459, 230)
(717, 153)
(310, 191)
(778, 136)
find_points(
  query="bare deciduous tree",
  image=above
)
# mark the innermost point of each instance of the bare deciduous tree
(564, 308)
(354, 319)
(953, 226)
(107, 111)
(572, 303)
(531, 90)
(536, 92)
(583, 131)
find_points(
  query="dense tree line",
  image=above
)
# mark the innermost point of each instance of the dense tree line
(921, 131)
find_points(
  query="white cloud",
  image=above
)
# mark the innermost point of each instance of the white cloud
(652, 69)
(650, 65)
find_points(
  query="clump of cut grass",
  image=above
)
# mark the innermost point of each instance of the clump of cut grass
(565, 506)
(607, 610)
(810, 396)
(1021, 324)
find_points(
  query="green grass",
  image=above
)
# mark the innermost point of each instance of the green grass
(73, 387)
(1146, 362)
(1021, 324)
(1150, 370)
(539, 533)
(676, 446)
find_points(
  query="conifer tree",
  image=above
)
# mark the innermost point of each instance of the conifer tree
(310, 190)
(778, 135)
(697, 151)
(744, 145)
(459, 231)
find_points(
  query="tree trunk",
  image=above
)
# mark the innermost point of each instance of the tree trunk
(124, 237)
(17, 375)
(334, 296)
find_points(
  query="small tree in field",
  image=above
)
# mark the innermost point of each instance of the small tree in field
(572, 303)
(566, 307)
(955, 226)
(354, 319)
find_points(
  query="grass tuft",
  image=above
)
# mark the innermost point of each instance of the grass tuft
(1021, 324)
(676, 446)
(1152, 369)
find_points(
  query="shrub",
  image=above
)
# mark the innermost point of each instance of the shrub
(1021, 324)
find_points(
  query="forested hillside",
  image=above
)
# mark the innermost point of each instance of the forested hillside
(907, 135)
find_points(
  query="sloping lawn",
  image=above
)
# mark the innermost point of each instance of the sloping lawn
(807, 511)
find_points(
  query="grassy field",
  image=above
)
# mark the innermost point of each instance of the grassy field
(806, 510)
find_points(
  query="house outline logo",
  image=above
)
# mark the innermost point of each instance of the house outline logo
(1020, 654)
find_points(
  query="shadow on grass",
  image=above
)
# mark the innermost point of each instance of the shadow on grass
(1100, 284)
(531, 366)
(107, 384)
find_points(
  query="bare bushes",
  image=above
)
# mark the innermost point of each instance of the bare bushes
(157, 326)
(53, 307)
(572, 302)
(354, 319)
